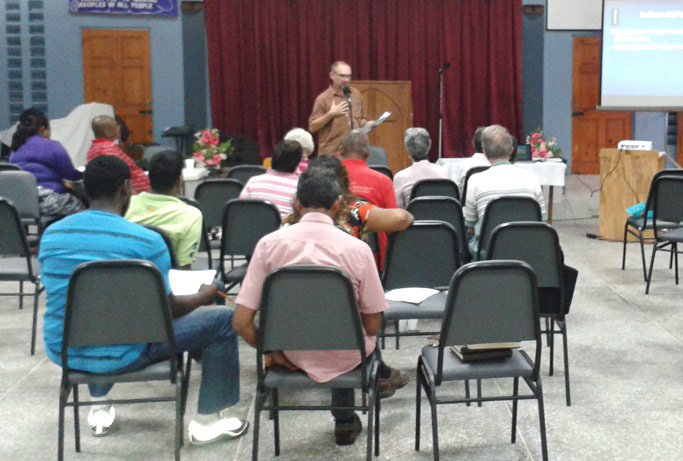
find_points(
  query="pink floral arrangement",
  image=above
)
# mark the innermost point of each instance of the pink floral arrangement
(208, 149)
(542, 148)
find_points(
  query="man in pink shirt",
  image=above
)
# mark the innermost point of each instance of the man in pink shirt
(315, 240)
(107, 132)
(278, 184)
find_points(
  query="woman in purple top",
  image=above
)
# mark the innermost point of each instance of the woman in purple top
(34, 152)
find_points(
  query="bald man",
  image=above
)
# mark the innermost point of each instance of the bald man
(107, 133)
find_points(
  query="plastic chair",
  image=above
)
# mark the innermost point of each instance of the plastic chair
(488, 302)
(245, 221)
(167, 241)
(505, 209)
(242, 173)
(16, 262)
(538, 245)
(385, 170)
(636, 226)
(435, 186)
(430, 267)
(472, 171)
(213, 195)
(447, 209)
(119, 302)
(377, 156)
(291, 302)
(667, 206)
(20, 188)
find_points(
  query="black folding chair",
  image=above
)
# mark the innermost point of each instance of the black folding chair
(204, 242)
(112, 303)
(637, 226)
(242, 173)
(16, 262)
(447, 209)
(667, 206)
(472, 171)
(321, 301)
(435, 186)
(429, 267)
(538, 245)
(213, 195)
(385, 170)
(245, 221)
(20, 188)
(502, 210)
(488, 302)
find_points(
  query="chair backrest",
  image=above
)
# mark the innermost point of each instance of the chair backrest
(667, 201)
(435, 186)
(245, 221)
(506, 209)
(213, 194)
(448, 209)
(650, 194)
(204, 242)
(168, 241)
(491, 302)
(4, 166)
(385, 170)
(20, 188)
(468, 175)
(13, 242)
(114, 302)
(377, 156)
(242, 173)
(425, 255)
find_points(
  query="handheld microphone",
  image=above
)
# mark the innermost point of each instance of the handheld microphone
(347, 93)
(444, 68)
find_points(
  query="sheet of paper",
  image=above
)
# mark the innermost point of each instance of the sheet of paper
(188, 282)
(410, 295)
(366, 129)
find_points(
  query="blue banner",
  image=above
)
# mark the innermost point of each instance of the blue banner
(131, 7)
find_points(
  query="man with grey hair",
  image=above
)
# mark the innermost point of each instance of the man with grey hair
(418, 143)
(332, 117)
(502, 179)
(305, 140)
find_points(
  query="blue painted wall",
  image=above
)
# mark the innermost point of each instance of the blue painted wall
(65, 62)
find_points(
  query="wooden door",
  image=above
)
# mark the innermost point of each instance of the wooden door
(395, 97)
(116, 71)
(592, 130)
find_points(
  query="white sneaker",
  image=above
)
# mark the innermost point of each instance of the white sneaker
(221, 429)
(100, 419)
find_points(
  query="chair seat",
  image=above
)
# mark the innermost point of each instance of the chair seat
(431, 308)
(455, 370)
(14, 269)
(639, 223)
(160, 371)
(237, 274)
(280, 377)
(675, 236)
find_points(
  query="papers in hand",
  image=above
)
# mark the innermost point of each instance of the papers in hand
(366, 129)
(410, 295)
(188, 282)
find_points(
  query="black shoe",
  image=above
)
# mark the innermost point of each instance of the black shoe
(388, 386)
(346, 433)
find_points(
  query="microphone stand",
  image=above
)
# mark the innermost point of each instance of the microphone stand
(442, 69)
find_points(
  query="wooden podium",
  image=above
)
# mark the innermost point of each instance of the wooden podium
(394, 97)
(625, 180)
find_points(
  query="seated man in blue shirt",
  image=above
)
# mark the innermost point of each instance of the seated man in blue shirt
(206, 331)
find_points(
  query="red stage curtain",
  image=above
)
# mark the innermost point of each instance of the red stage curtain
(269, 59)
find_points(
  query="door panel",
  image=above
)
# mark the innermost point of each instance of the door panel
(592, 130)
(117, 71)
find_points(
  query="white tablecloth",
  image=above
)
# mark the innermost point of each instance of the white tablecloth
(550, 173)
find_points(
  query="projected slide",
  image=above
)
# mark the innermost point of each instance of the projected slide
(642, 54)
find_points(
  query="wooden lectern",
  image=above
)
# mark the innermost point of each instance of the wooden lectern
(625, 178)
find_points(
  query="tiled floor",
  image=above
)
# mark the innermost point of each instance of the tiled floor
(626, 363)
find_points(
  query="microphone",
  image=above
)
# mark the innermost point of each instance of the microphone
(444, 68)
(347, 93)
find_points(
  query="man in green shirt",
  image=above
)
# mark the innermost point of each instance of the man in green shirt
(162, 208)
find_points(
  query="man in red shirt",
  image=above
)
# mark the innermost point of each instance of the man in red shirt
(107, 131)
(367, 183)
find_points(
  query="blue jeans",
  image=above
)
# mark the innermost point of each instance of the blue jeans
(207, 334)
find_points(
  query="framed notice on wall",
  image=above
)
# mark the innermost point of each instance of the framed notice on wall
(128, 7)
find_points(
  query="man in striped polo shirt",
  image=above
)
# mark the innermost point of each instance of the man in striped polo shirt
(502, 179)
(278, 184)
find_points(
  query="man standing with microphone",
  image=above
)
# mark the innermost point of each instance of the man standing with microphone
(336, 111)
